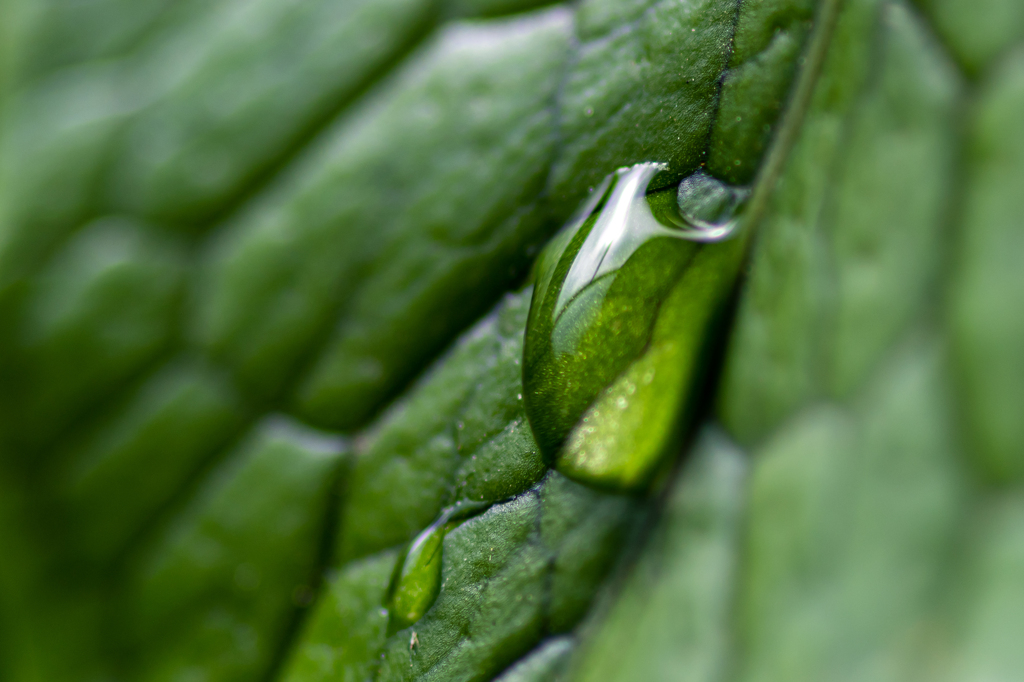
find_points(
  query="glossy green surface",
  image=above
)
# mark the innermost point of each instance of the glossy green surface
(419, 581)
(242, 239)
(636, 420)
(623, 310)
(579, 341)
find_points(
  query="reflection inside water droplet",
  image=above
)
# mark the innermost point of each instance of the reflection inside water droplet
(600, 281)
(708, 205)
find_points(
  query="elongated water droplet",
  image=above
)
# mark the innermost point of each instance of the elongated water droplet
(418, 581)
(600, 283)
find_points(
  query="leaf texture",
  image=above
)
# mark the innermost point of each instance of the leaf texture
(265, 277)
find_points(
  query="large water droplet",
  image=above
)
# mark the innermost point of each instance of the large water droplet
(601, 281)
(418, 581)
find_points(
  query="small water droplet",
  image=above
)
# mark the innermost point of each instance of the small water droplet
(418, 581)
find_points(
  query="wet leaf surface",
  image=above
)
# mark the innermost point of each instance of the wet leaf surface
(274, 404)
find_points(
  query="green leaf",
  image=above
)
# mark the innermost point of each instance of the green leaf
(293, 293)
(671, 619)
(459, 435)
(281, 397)
(139, 455)
(984, 281)
(254, 526)
(520, 570)
(348, 626)
(100, 310)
